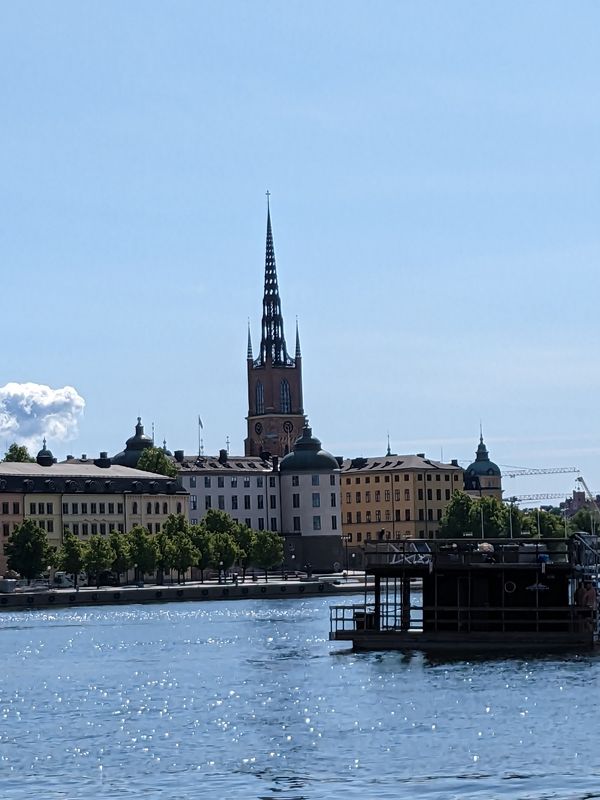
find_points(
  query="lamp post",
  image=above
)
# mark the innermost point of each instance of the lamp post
(346, 539)
(221, 576)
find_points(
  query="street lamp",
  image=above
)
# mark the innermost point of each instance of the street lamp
(221, 575)
(346, 538)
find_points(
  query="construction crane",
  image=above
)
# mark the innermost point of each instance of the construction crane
(531, 498)
(589, 495)
(513, 473)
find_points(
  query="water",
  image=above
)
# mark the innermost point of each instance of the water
(249, 700)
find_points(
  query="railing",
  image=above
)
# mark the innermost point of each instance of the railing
(422, 553)
(417, 619)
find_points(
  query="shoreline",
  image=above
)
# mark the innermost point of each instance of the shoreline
(126, 595)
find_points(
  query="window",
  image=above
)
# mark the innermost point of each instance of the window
(41, 507)
(220, 482)
(234, 482)
(119, 508)
(430, 513)
(456, 477)
(406, 476)
(248, 522)
(438, 494)
(421, 514)
(207, 502)
(5, 508)
(407, 515)
(111, 527)
(76, 528)
(259, 482)
(316, 500)
(419, 477)
(367, 497)
(377, 479)
(429, 494)
(388, 515)
(272, 501)
(368, 535)
(84, 508)
(32, 508)
(273, 523)
(156, 508)
(295, 480)
(234, 502)
(358, 497)
(349, 517)
(356, 480)
(94, 528)
(65, 508)
(316, 523)
(247, 501)
(438, 477)
(429, 476)
(388, 495)
(447, 494)
(260, 398)
(387, 479)
(246, 482)
(5, 529)
(103, 528)
(367, 516)
(111, 508)
(134, 508)
(121, 527)
(333, 500)
(84, 529)
(446, 477)
(397, 515)
(285, 401)
(378, 516)
(315, 480)
(16, 508)
(221, 502)
(149, 527)
(420, 494)
(296, 522)
(261, 523)
(348, 480)
(50, 526)
(271, 481)
(192, 482)
(439, 513)
(179, 508)
(397, 495)
(42, 524)
(359, 537)
(334, 526)
(93, 508)
(260, 502)
(148, 508)
(207, 482)
(193, 502)
(358, 516)
(74, 508)
(407, 494)
(103, 508)
(332, 480)
(378, 496)
(348, 497)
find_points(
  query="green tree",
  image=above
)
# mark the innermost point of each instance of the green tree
(144, 551)
(488, 518)
(154, 459)
(202, 540)
(28, 551)
(185, 554)
(17, 452)
(581, 521)
(244, 538)
(513, 520)
(224, 552)
(99, 557)
(219, 522)
(71, 556)
(120, 547)
(457, 520)
(268, 550)
(165, 555)
(544, 523)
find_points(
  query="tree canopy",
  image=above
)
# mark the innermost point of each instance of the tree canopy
(18, 452)
(99, 556)
(154, 459)
(71, 556)
(28, 551)
(268, 550)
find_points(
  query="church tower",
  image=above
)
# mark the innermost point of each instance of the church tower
(275, 408)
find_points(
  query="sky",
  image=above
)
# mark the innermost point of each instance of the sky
(433, 169)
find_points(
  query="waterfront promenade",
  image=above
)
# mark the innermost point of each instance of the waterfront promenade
(272, 589)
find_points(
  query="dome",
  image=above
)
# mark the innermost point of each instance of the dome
(308, 456)
(45, 457)
(134, 446)
(482, 464)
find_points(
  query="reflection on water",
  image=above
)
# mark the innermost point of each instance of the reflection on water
(249, 700)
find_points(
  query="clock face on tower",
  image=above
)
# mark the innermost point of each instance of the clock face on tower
(258, 428)
(287, 426)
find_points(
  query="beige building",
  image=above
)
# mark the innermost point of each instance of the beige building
(395, 497)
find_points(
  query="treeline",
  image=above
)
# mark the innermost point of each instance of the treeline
(218, 542)
(492, 519)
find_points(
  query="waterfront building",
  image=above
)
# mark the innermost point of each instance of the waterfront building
(394, 497)
(483, 478)
(275, 405)
(84, 496)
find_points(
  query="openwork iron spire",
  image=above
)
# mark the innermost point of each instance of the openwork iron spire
(298, 351)
(249, 356)
(272, 346)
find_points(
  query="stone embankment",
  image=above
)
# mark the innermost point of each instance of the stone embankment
(124, 595)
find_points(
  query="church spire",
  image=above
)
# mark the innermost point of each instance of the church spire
(272, 346)
(249, 356)
(298, 351)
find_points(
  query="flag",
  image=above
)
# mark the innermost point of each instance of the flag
(200, 422)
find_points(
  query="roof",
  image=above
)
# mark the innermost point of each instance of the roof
(229, 465)
(308, 455)
(387, 463)
(78, 469)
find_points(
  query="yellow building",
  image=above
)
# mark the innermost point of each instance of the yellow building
(395, 497)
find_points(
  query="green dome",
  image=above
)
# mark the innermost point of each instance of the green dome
(45, 457)
(134, 446)
(308, 456)
(482, 464)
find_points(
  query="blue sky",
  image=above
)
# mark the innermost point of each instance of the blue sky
(434, 177)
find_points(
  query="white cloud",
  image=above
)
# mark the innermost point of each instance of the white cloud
(30, 411)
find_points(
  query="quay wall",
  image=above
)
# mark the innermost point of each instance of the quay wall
(115, 595)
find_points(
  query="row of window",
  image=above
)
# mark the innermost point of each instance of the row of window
(316, 523)
(387, 495)
(438, 477)
(94, 508)
(285, 398)
(248, 522)
(387, 535)
(208, 502)
(358, 517)
(233, 481)
(16, 508)
(315, 480)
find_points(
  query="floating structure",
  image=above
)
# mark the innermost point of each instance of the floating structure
(462, 594)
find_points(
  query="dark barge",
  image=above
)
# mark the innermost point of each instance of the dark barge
(463, 594)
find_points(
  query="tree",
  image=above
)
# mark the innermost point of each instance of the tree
(548, 525)
(122, 560)
(184, 554)
(28, 551)
(224, 551)
(582, 521)
(99, 556)
(17, 452)
(219, 522)
(457, 519)
(165, 558)
(202, 541)
(144, 551)
(244, 538)
(488, 518)
(267, 551)
(71, 556)
(154, 459)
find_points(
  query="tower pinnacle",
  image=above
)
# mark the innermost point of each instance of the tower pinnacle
(272, 346)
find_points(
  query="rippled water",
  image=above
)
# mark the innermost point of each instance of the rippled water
(249, 700)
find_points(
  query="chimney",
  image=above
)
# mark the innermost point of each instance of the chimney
(104, 461)
(420, 455)
(83, 457)
(69, 457)
(275, 462)
(222, 456)
(454, 462)
(179, 456)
